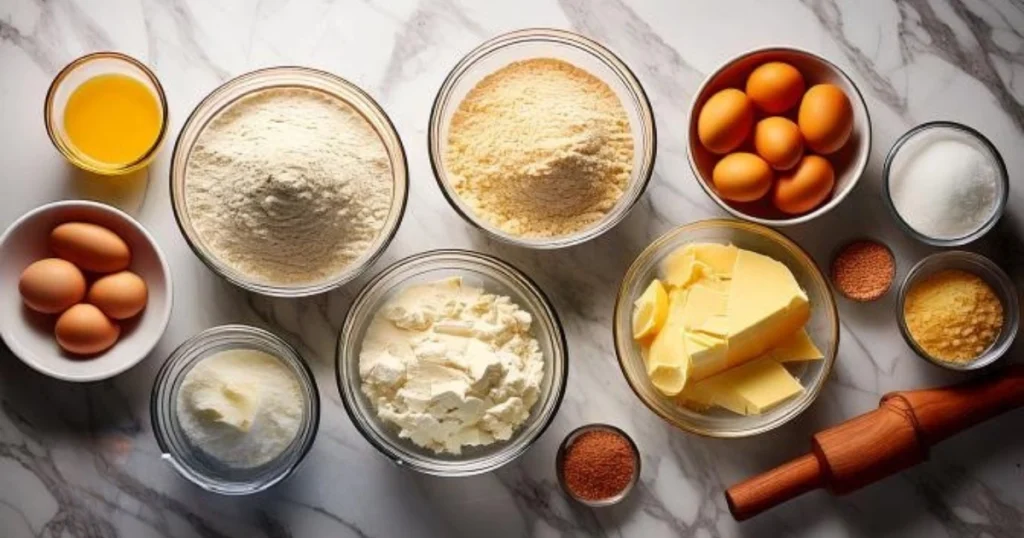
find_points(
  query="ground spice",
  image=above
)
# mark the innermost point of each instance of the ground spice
(863, 270)
(953, 315)
(598, 465)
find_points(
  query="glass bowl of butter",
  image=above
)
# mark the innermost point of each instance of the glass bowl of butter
(451, 363)
(725, 328)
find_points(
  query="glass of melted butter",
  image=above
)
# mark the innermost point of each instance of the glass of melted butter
(725, 328)
(106, 113)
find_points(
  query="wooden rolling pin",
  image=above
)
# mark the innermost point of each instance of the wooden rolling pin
(885, 441)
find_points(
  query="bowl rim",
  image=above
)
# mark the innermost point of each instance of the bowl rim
(513, 38)
(90, 165)
(859, 167)
(1001, 170)
(558, 387)
(165, 315)
(1011, 311)
(228, 331)
(570, 439)
(400, 178)
(830, 355)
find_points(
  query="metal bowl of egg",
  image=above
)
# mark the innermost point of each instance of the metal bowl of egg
(412, 292)
(565, 52)
(778, 136)
(32, 332)
(776, 286)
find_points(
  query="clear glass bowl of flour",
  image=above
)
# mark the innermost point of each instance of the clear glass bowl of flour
(574, 49)
(192, 461)
(494, 276)
(251, 85)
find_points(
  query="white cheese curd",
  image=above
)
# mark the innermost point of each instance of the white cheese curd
(451, 366)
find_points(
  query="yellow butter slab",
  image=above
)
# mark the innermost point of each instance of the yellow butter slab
(766, 305)
(797, 347)
(749, 389)
(720, 258)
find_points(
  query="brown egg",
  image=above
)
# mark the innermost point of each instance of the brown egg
(775, 87)
(742, 177)
(120, 295)
(725, 121)
(778, 141)
(51, 285)
(804, 187)
(825, 118)
(84, 330)
(91, 247)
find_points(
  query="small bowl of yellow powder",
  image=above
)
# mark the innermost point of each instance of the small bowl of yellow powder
(958, 310)
(542, 138)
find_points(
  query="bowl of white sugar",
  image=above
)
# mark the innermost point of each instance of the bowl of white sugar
(288, 181)
(542, 138)
(235, 409)
(451, 363)
(945, 183)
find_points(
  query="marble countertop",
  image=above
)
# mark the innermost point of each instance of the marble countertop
(80, 460)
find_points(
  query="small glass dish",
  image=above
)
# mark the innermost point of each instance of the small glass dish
(964, 134)
(989, 272)
(823, 327)
(288, 77)
(841, 249)
(560, 464)
(188, 459)
(495, 276)
(502, 50)
(76, 73)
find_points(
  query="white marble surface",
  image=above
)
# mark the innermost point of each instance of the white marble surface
(80, 460)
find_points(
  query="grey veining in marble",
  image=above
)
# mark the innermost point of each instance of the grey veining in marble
(80, 460)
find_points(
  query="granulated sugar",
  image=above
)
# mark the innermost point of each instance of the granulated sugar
(540, 148)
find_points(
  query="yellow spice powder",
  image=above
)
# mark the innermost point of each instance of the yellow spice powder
(953, 315)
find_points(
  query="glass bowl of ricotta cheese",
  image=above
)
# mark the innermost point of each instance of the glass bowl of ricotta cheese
(452, 363)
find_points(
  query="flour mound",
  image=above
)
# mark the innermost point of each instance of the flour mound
(289, 186)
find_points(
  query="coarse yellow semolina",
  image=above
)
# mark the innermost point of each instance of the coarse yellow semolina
(540, 148)
(953, 315)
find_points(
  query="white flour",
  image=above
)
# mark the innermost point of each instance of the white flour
(289, 186)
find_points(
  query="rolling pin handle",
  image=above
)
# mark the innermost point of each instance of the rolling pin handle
(775, 487)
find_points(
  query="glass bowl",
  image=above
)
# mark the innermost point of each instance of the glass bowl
(823, 327)
(908, 142)
(992, 275)
(564, 448)
(189, 460)
(562, 45)
(70, 78)
(495, 276)
(288, 77)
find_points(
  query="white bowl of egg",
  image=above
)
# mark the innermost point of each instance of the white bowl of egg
(87, 291)
(778, 136)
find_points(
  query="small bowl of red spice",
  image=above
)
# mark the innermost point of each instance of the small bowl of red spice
(598, 465)
(863, 270)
